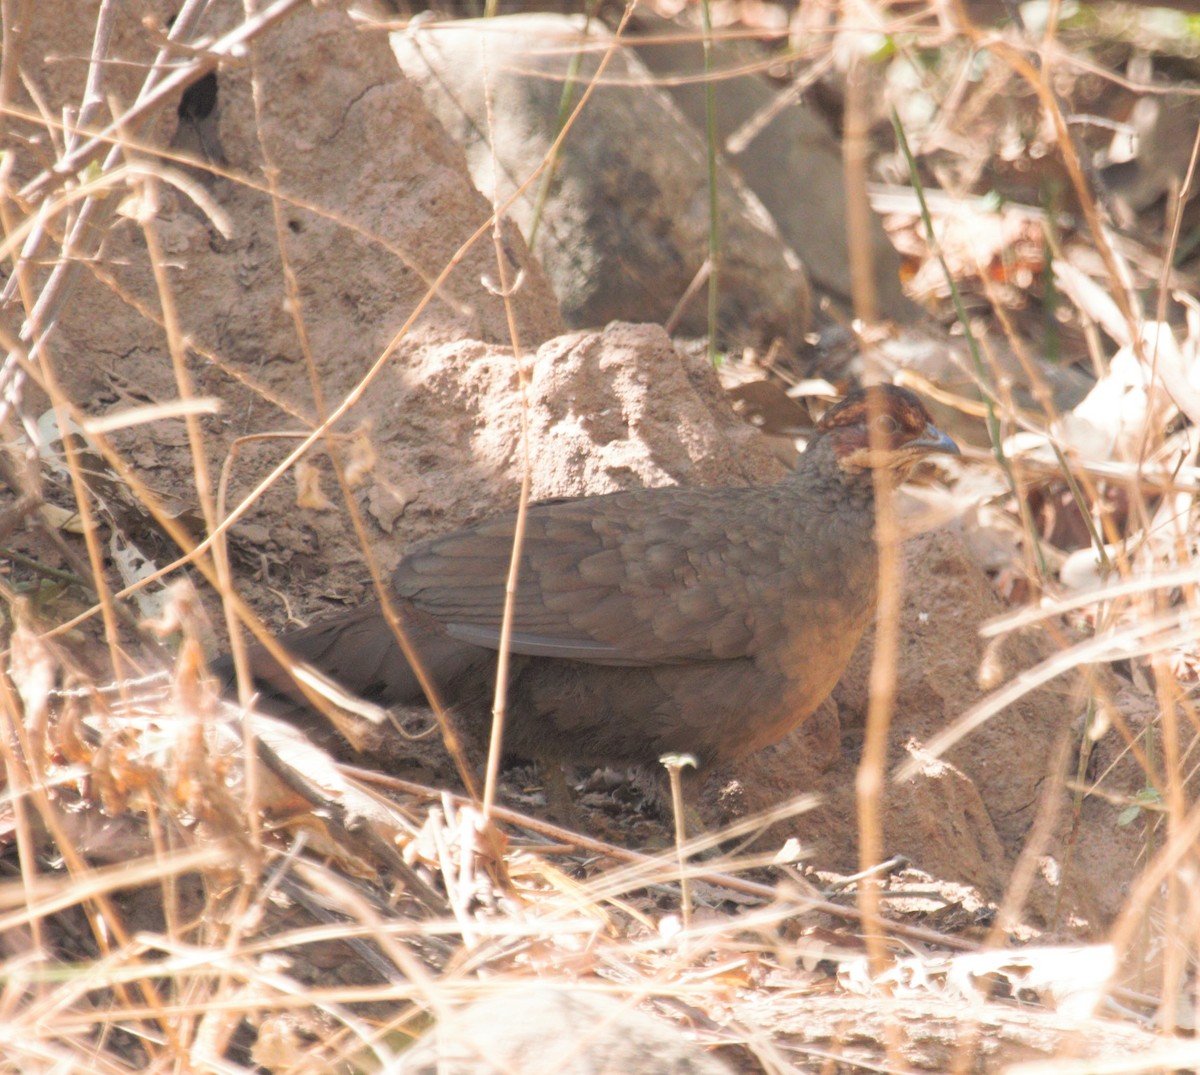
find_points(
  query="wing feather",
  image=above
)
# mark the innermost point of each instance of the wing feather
(630, 578)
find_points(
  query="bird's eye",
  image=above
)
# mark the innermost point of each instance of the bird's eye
(886, 424)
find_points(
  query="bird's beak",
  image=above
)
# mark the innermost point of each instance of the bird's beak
(934, 440)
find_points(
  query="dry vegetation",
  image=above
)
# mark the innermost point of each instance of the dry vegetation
(188, 888)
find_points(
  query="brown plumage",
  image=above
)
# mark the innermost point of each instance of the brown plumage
(709, 621)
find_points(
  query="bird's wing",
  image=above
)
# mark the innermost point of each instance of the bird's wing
(631, 578)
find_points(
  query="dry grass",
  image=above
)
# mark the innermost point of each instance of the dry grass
(189, 888)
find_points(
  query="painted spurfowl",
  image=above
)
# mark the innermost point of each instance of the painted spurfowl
(710, 621)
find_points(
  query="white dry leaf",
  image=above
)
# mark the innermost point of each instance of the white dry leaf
(34, 669)
(1083, 569)
(854, 976)
(1178, 363)
(917, 976)
(62, 518)
(913, 977)
(362, 806)
(791, 851)
(133, 568)
(1072, 980)
(670, 927)
(1111, 420)
(1133, 396)
(1092, 299)
(50, 436)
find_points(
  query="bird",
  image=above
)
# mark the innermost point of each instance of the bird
(697, 620)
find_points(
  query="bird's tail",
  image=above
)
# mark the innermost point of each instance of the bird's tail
(358, 651)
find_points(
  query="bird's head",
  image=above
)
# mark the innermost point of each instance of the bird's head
(882, 428)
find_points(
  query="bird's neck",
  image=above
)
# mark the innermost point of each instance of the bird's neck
(819, 467)
(835, 511)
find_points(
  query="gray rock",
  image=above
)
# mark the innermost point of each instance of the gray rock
(625, 224)
(793, 164)
(542, 1030)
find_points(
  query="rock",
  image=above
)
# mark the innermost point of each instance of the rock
(624, 229)
(541, 1030)
(370, 219)
(794, 164)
